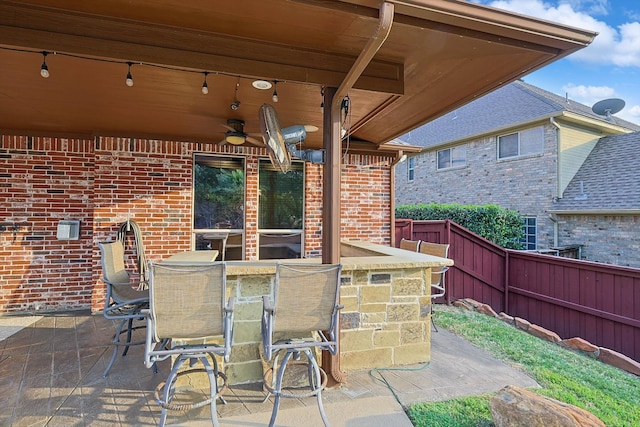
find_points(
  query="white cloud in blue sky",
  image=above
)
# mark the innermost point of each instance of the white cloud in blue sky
(609, 67)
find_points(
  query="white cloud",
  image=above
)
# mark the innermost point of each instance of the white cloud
(616, 46)
(589, 95)
(632, 114)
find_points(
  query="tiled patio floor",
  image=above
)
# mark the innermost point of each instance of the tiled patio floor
(51, 375)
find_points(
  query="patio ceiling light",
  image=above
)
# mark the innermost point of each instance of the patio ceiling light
(129, 80)
(235, 138)
(44, 70)
(205, 86)
(258, 84)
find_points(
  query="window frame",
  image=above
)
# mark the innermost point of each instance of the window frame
(268, 233)
(452, 159)
(526, 225)
(234, 234)
(519, 144)
(411, 169)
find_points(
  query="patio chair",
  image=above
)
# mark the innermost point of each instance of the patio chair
(302, 318)
(437, 277)
(123, 301)
(410, 245)
(188, 307)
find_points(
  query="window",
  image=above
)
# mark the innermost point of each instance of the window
(218, 205)
(529, 240)
(523, 143)
(411, 168)
(452, 157)
(280, 211)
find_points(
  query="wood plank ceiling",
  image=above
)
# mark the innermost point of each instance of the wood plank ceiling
(439, 55)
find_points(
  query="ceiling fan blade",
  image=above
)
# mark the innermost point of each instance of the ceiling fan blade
(229, 128)
(255, 141)
(311, 128)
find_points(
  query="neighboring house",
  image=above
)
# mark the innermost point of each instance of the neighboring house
(518, 147)
(601, 205)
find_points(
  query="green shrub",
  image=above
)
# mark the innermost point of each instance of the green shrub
(501, 226)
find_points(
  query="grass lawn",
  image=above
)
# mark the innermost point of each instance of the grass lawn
(611, 394)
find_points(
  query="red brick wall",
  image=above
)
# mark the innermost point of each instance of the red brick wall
(43, 181)
(106, 181)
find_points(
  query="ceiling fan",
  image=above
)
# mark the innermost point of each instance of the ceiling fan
(235, 134)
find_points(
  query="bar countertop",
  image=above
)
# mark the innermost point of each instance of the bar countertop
(356, 255)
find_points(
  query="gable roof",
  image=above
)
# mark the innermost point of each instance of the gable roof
(608, 179)
(513, 104)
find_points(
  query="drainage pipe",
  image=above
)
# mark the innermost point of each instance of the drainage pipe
(332, 141)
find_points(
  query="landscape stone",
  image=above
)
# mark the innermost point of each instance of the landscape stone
(542, 333)
(486, 309)
(505, 318)
(515, 406)
(521, 323)
(619, 360)
(580, 344)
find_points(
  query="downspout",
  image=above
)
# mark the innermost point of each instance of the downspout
(332, 166)
(400, 157)
(558, 195)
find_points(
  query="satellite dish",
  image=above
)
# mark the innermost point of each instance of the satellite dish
(273, 139)
(607, 107)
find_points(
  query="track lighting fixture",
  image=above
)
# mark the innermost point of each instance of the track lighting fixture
(274, 98)
(205, 86)
(129, 80)
(236, 104)
(44, 70)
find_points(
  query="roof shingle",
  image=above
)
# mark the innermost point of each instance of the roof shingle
(517, 102)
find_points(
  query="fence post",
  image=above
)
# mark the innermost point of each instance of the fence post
(506, 281)
(447, 240)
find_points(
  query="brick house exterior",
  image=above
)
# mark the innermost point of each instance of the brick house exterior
(601, 205)
(533, 183)
(104, 181)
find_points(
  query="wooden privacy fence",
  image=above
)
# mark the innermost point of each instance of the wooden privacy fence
(574, 298)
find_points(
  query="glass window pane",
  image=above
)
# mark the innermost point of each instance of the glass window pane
(529, 239)
(218, 193)
(459, 156)
(280, 246)
(508, 146)
(444, 159)
(281, 197)
(531, 141)
(411, 167)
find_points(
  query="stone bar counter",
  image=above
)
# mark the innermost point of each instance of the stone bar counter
(386, 316)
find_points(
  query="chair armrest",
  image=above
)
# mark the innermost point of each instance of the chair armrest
(442, 271)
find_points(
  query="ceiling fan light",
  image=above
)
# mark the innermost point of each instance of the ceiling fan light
(235, 139)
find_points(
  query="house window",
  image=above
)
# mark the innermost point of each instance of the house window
(529, 239)
(411, 168)
(452, 157)
(280, 211)
(218, 205)
(523, 143)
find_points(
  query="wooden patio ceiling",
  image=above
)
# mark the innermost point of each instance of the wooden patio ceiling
(438, 55)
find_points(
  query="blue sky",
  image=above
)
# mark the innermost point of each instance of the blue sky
(608, 68)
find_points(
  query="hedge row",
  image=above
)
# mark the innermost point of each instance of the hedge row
(501, 226)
